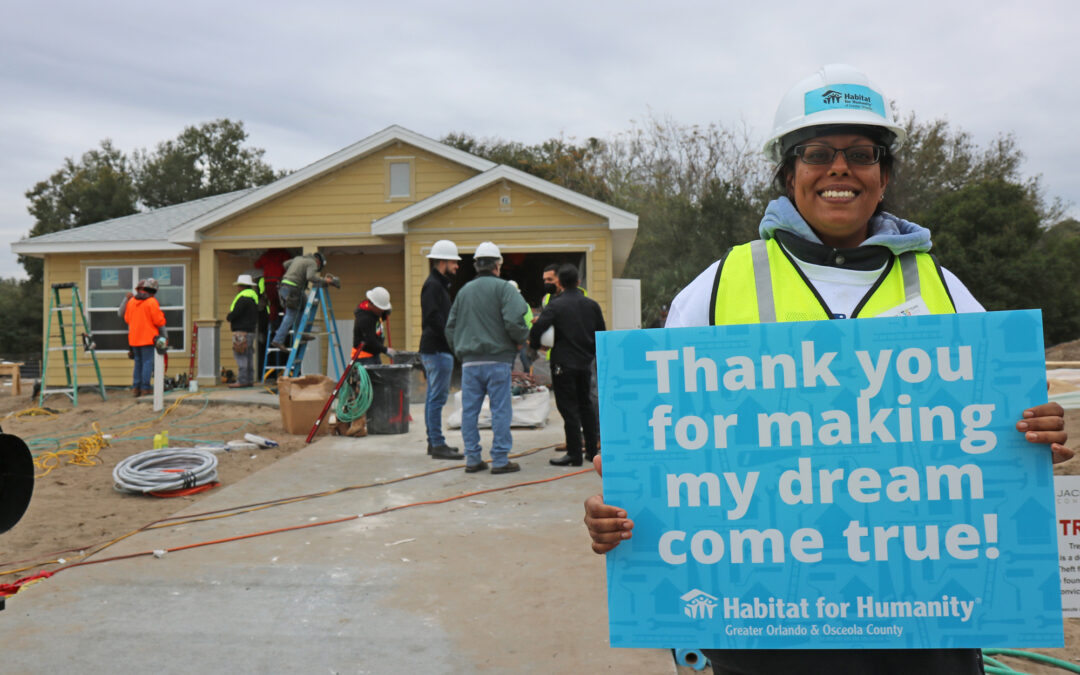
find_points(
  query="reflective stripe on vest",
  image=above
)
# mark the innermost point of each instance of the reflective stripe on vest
(246, 293)
(760, 284)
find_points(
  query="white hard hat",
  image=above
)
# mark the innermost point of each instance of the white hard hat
(488, 250)
(514, 284)
(836, 95)
(548, 337)
(444, 249)
(380, 297)
(244, 280)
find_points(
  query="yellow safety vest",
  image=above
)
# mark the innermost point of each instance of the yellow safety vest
(759, 283)
(547, 297)
(246, 293)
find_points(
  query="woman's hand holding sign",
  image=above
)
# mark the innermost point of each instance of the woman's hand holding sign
(1046, 424)
(608, 525)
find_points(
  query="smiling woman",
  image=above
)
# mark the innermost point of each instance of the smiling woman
(828, 251)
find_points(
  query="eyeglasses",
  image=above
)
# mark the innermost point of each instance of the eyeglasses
(860, 155)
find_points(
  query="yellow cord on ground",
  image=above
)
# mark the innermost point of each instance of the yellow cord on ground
(84, 451)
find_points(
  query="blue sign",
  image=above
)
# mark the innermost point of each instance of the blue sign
(830, 485)
(844, 97)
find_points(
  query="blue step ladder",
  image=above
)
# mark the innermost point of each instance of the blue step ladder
(317, 299)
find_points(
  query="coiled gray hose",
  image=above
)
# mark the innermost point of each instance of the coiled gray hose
(165, 469)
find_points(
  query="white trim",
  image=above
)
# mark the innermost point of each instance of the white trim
(35, 249)
(188, 233)
(397, 223)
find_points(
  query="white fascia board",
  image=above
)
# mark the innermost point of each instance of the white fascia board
(395, 223)
(38, 249)
(188, 233)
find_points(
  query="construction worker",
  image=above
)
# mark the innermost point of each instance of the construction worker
(272, 264)
(485, 329)
(829, 251)
(146, 323)
(243, 318)
(299, 272)
(368, 326)
(526, 352)
(576, 320)
(435, 352)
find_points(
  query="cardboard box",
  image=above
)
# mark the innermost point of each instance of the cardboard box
(301, 400)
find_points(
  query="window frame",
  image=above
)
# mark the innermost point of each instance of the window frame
(411, 163)
(134, 267)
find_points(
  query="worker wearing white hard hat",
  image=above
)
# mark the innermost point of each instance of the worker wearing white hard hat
(435, 352)
(243, 318)
(829, 249)
(369, 326)
(486, 329)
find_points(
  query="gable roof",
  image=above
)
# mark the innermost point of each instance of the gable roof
(623, 224)
(147, 231)
(188, 233)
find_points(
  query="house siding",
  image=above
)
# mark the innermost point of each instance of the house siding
(343, 203)
(115, 367)
(533, 223)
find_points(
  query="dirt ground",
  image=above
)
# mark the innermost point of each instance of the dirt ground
(75, 508)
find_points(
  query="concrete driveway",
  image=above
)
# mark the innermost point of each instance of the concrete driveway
(502, 582)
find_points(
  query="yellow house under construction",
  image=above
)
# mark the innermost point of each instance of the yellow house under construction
(373, 209)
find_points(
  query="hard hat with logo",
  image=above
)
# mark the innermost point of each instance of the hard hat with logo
(835, 96)
(488, 250)
(444, 249)
(149, 284)
(244, 280)
(320, 258)
(380, 297)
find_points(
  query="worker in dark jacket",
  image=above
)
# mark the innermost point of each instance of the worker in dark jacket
(370, 315)
(576, 319)
(435, 352)
(243, 318)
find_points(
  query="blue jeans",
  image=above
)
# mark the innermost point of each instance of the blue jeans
(291, 315)
(492, 380)
(438, 368)
(144, 367)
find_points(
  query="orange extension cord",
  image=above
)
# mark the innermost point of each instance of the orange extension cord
(18, 585)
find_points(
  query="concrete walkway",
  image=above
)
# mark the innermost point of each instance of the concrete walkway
(502, 582)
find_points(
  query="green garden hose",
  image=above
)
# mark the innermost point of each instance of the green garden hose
(354, 399)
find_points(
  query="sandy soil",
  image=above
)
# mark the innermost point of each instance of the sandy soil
(75, 507)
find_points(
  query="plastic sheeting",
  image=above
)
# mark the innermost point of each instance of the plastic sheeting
(529, 410)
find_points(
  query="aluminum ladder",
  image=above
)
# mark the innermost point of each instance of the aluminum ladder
(317, 299)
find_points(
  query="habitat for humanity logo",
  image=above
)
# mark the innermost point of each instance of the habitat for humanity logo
(699, 604)
(831, 97)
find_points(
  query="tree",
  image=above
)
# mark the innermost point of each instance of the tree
(202, 161)
(20, 305)
(97, 187)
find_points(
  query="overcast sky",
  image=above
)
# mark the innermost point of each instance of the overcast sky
(309, 78)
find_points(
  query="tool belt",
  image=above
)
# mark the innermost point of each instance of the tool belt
(240, 342)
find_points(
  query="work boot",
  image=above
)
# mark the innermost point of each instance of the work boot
(509, 467)
(278, 345)
(566, 460)
(474, 468)
(306, 337)
(445, 452)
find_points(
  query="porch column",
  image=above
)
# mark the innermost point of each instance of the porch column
(208, 357)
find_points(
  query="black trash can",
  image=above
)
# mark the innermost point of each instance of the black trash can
(418, 382)
(389, 411)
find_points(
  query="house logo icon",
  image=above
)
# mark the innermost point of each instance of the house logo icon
(698, 604)
(831, 97)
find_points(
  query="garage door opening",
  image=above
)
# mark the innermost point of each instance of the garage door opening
(527, 269)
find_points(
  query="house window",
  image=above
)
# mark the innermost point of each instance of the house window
(399, 179)
(106, 288)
